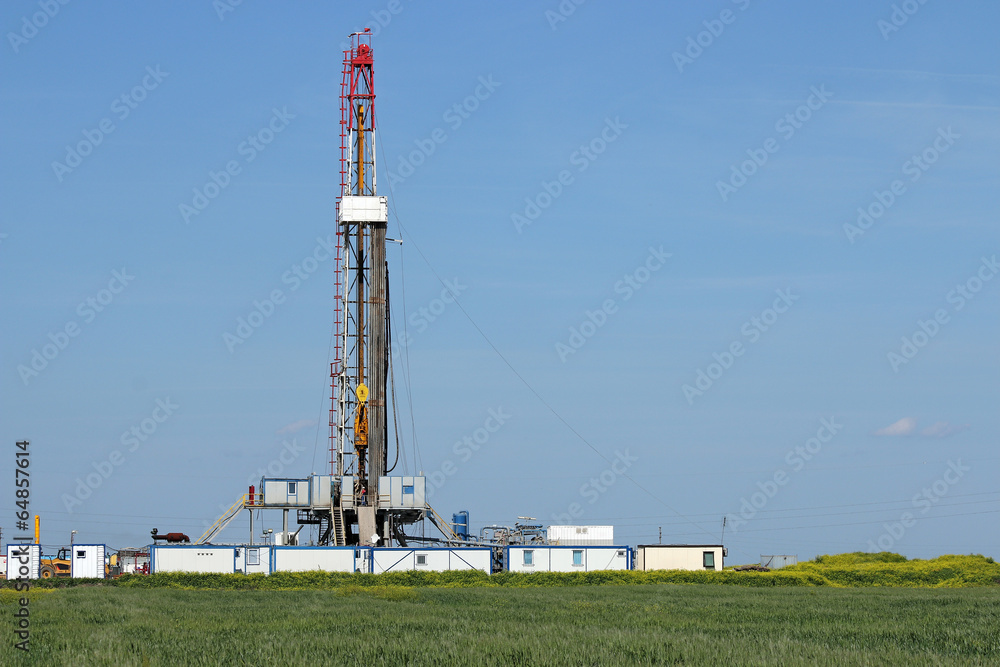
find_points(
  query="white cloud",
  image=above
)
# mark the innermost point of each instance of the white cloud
(943, 429)
(904, 426)
(295, 427)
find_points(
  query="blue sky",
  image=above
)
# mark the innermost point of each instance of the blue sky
(739, 138)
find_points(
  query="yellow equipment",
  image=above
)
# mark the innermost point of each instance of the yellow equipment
(56, 567)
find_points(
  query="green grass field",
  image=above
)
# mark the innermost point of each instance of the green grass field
(572, 625)
(850, 609)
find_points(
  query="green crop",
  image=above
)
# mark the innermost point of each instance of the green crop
(381, 624)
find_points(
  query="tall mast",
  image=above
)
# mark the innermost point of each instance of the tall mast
(358, 374)
(358, 503)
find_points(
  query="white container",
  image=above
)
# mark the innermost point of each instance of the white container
(87, 561)
(285, 492)
(321, 491)
(202, 558)
(307, 559)
(401, 492)
(577, 558)
(585, 535)
(356, 208)
(403, 559)
(26, 566)
(253, 559)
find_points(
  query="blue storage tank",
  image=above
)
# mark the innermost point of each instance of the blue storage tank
(460, 520)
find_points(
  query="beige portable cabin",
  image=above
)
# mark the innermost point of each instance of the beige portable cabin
(679, 557)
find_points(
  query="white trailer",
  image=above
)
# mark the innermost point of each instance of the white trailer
(440, 559)
(402, 492)
(253, 559)
(24, 561)
(546, 558)
(601, 536)
(202, 558)
(325, 559)
(285, 492)
(86, 561)
(679, 557)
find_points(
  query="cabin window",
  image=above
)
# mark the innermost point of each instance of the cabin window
(253, 556)
(81, 553)
(407, 489)
(578, 557)
(529, 557)
(421, 559)
(708, 558)
(291, 488)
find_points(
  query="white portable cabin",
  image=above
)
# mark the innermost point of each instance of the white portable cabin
(439, 559)
(202, 558)
(547, 558)
(603, 536)
(680, 557)
(285, 492)
(87, 561)
(253, 559)
(325, 559)
(321, 490)
(24, 561)
(402, 492)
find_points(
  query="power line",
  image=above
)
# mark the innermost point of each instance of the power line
(864, 523)
(521, 378)
(797, 509)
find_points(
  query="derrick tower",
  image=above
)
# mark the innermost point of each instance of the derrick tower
(358, 424)
(359, 502)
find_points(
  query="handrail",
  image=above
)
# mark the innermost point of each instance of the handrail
(443, 526)
(224, 520)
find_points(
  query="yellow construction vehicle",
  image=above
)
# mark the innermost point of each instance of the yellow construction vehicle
(56, 567)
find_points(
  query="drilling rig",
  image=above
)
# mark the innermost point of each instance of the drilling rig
(359, 441)
(358, 502)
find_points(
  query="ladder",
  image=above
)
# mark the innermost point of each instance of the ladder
(340, 539)
(223, 520)
(443, 526)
